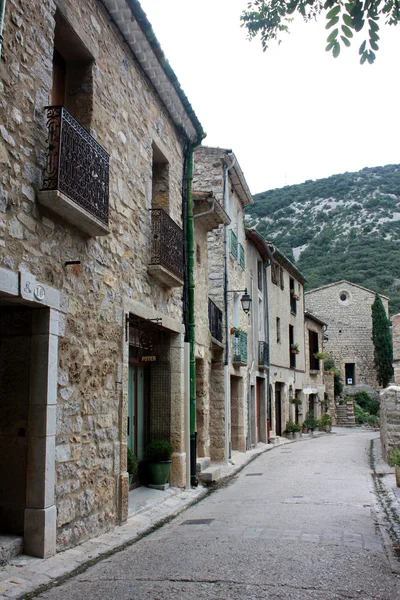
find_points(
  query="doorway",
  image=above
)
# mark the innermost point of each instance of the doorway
(350, 373)
(137, 414)
(278, 409)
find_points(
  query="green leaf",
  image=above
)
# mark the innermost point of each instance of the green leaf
(347, 32)
(330, 46)
(332, 22)
(373, 45)
(371, 57)
(373, 25)
(336, 50)
(373, 36)
(332, 36)
(362, 48)
(347, 20)
(345, 41)
(363, 58)
(333, 12)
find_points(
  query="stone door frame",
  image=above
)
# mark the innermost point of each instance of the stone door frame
(40, 518)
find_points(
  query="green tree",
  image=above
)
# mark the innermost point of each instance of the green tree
(269, 18)
(382, 339)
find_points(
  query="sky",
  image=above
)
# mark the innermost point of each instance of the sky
(291, 113)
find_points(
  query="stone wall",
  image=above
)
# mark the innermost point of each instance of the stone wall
(396, 347)
(349, 327)
(390, 420)
(127, 119)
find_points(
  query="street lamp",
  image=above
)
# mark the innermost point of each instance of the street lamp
(245, 300)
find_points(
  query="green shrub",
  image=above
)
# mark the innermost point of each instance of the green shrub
(325, 420)
(132, 463)
(310, 421)
(360, 415)
(159, 450)
(373, 420)
(292, 427)
(367, 403)
(395, 459)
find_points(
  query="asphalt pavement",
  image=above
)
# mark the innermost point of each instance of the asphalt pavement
(297, 523)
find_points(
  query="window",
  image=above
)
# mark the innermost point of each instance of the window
(160, 180)
(292, 353)
(293, 297)
(313, 349)
(273, 272)
(72, 73)
(281, 279)
(260, 275)
(278, 329)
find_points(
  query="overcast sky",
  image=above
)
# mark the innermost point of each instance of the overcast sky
(292, 113)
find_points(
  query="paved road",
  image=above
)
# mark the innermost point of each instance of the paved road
(297, 523)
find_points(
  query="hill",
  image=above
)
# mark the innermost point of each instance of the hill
(341, 227)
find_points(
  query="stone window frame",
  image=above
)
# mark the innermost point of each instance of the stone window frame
(347, 300)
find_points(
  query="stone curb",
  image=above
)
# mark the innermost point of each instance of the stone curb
(381, 510)
(26, 577)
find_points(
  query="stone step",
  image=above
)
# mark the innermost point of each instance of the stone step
(10, 546)
(210, 475)
(202, 463)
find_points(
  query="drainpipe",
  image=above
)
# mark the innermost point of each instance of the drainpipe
(2, 16)
(191, 286)
(227, 377)
(250, 371)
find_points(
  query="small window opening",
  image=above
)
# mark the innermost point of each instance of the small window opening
(160, 181)
(350, 373)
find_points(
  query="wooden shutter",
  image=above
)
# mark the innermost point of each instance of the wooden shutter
(281, 278)
(273, 272)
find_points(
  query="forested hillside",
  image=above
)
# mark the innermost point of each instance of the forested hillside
(342, 227)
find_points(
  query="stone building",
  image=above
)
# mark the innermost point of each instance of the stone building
(91, 243)
(259, 255)
(396, 347)
(217, 171)
(286, 334)
(346, 308)
(315, 399)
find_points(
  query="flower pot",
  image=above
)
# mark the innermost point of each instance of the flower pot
(297, 435)
(397, 473)
(327, 428)
(159, 472)
(295, 351)
(305, 430)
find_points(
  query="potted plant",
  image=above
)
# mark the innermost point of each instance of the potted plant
(132, 465)
(321, 355)
(310, 421)
(159, 453)
(395, 462)
(295, 296)
(326, 422)
(296, 401)
(295, 348)
(289, 431)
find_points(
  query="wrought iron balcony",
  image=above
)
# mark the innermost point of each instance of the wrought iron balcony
(215, 320)
(233, 244)
(263, 354)
(76, 178)
(242, 258)
(166, 263)
(240, 348)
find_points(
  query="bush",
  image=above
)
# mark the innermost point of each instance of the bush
(325, 420)
(292, 427)
(310, 421)
(360, 415)
(159, 450)
(373, 420)
(395, 459)
(367, 403)
(132, 463)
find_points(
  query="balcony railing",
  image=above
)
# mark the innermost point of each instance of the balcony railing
(240, 347)
(166, 261)
(77, 166)
(242, 258)
(215, 320)
(263, 354)
(233, 244)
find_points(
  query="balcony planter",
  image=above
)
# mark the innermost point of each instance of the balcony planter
(295, 351)
(166, 263)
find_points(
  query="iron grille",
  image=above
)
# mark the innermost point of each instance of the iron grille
(215, 320)
(242, 257)
(240, 347)
(167, 242)
(234, 244)
(76, 164)
(263, 354)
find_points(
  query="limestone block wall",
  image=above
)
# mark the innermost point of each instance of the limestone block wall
(346, 308)
(396, 347)
(127, 118)
(390, 420)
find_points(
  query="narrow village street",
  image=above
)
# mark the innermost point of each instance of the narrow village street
(296, 523)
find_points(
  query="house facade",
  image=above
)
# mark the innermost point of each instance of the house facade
(216, 170)
(287, 344)
(94, 133)
(316, 399)
(346, 308)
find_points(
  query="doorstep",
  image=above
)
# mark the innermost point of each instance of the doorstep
(148, 509)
